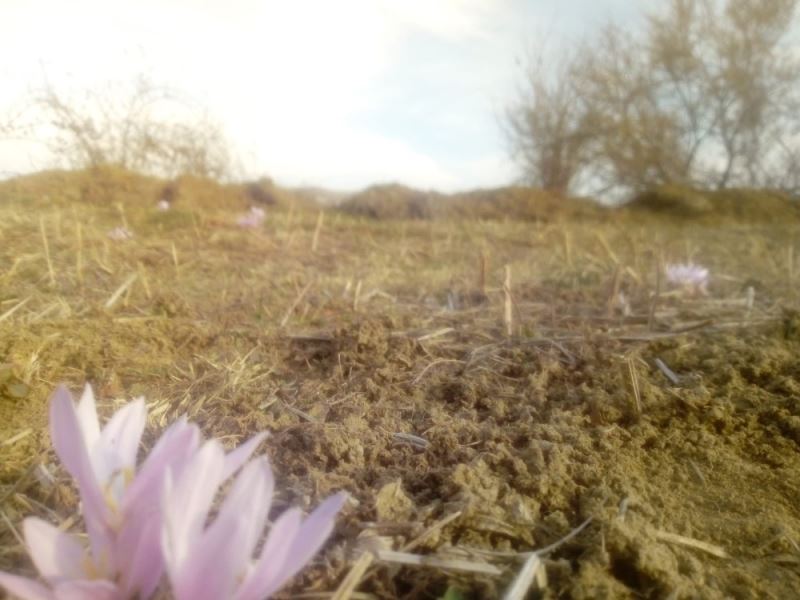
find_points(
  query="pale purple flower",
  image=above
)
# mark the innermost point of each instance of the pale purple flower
(254, 218)
(689, 276)
(163, 205)
(141, 522)
(120, 507)
(216, 562)
(120, 234)
(61, 561)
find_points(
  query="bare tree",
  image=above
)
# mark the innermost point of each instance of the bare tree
(633, 140)
(735, 81)
(706, 94)
(143, 127)
(544, 125)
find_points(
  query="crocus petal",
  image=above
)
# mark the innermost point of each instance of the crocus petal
(266, 576)
(68, 441)
(312, 534)
(118, 445)
(173, 449)
(172, 549)
(24, 588)
(215, 563)
(87, 416)
(67, 436)
(141, 575)
(87, 590)
(139, 539)
(236, 458)
(250, 497)
(222, 554)
(195, 490)
(57, 555)
(124, 430)
(186, 503)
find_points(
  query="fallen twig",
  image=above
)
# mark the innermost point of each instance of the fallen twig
(674, 538)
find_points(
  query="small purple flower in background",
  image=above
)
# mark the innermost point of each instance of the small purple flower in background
(689, 276)
(138, 522)
(163, 205)
(254, 218)
(119, 234)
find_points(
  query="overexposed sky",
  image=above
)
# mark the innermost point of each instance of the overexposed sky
(335, 93)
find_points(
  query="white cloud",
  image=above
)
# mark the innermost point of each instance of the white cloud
(286, 79)
(451, 19)
(345, 158)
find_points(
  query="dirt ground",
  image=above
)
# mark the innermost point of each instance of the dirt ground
(378, 354)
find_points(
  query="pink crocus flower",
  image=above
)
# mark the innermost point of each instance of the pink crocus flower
(254, 218)
(120, 234)
(120, 507)
(61, 561)
(690, 276)
(216, 562)
(163, 205)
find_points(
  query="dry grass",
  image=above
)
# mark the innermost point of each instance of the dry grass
(361, 344)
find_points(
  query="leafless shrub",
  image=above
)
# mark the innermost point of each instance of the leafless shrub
(14, 128)
(393, 201)
(143, 127)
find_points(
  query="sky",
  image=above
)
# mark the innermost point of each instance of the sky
(331, 93)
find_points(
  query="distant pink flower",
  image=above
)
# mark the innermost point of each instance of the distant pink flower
(119, 234)
(216, 562)
(163, 205)
(690, 276)
(254, 218)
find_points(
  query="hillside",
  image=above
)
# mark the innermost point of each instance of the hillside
(379, 354)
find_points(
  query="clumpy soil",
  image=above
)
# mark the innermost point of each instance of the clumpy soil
(382, 365)
(529, 441)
